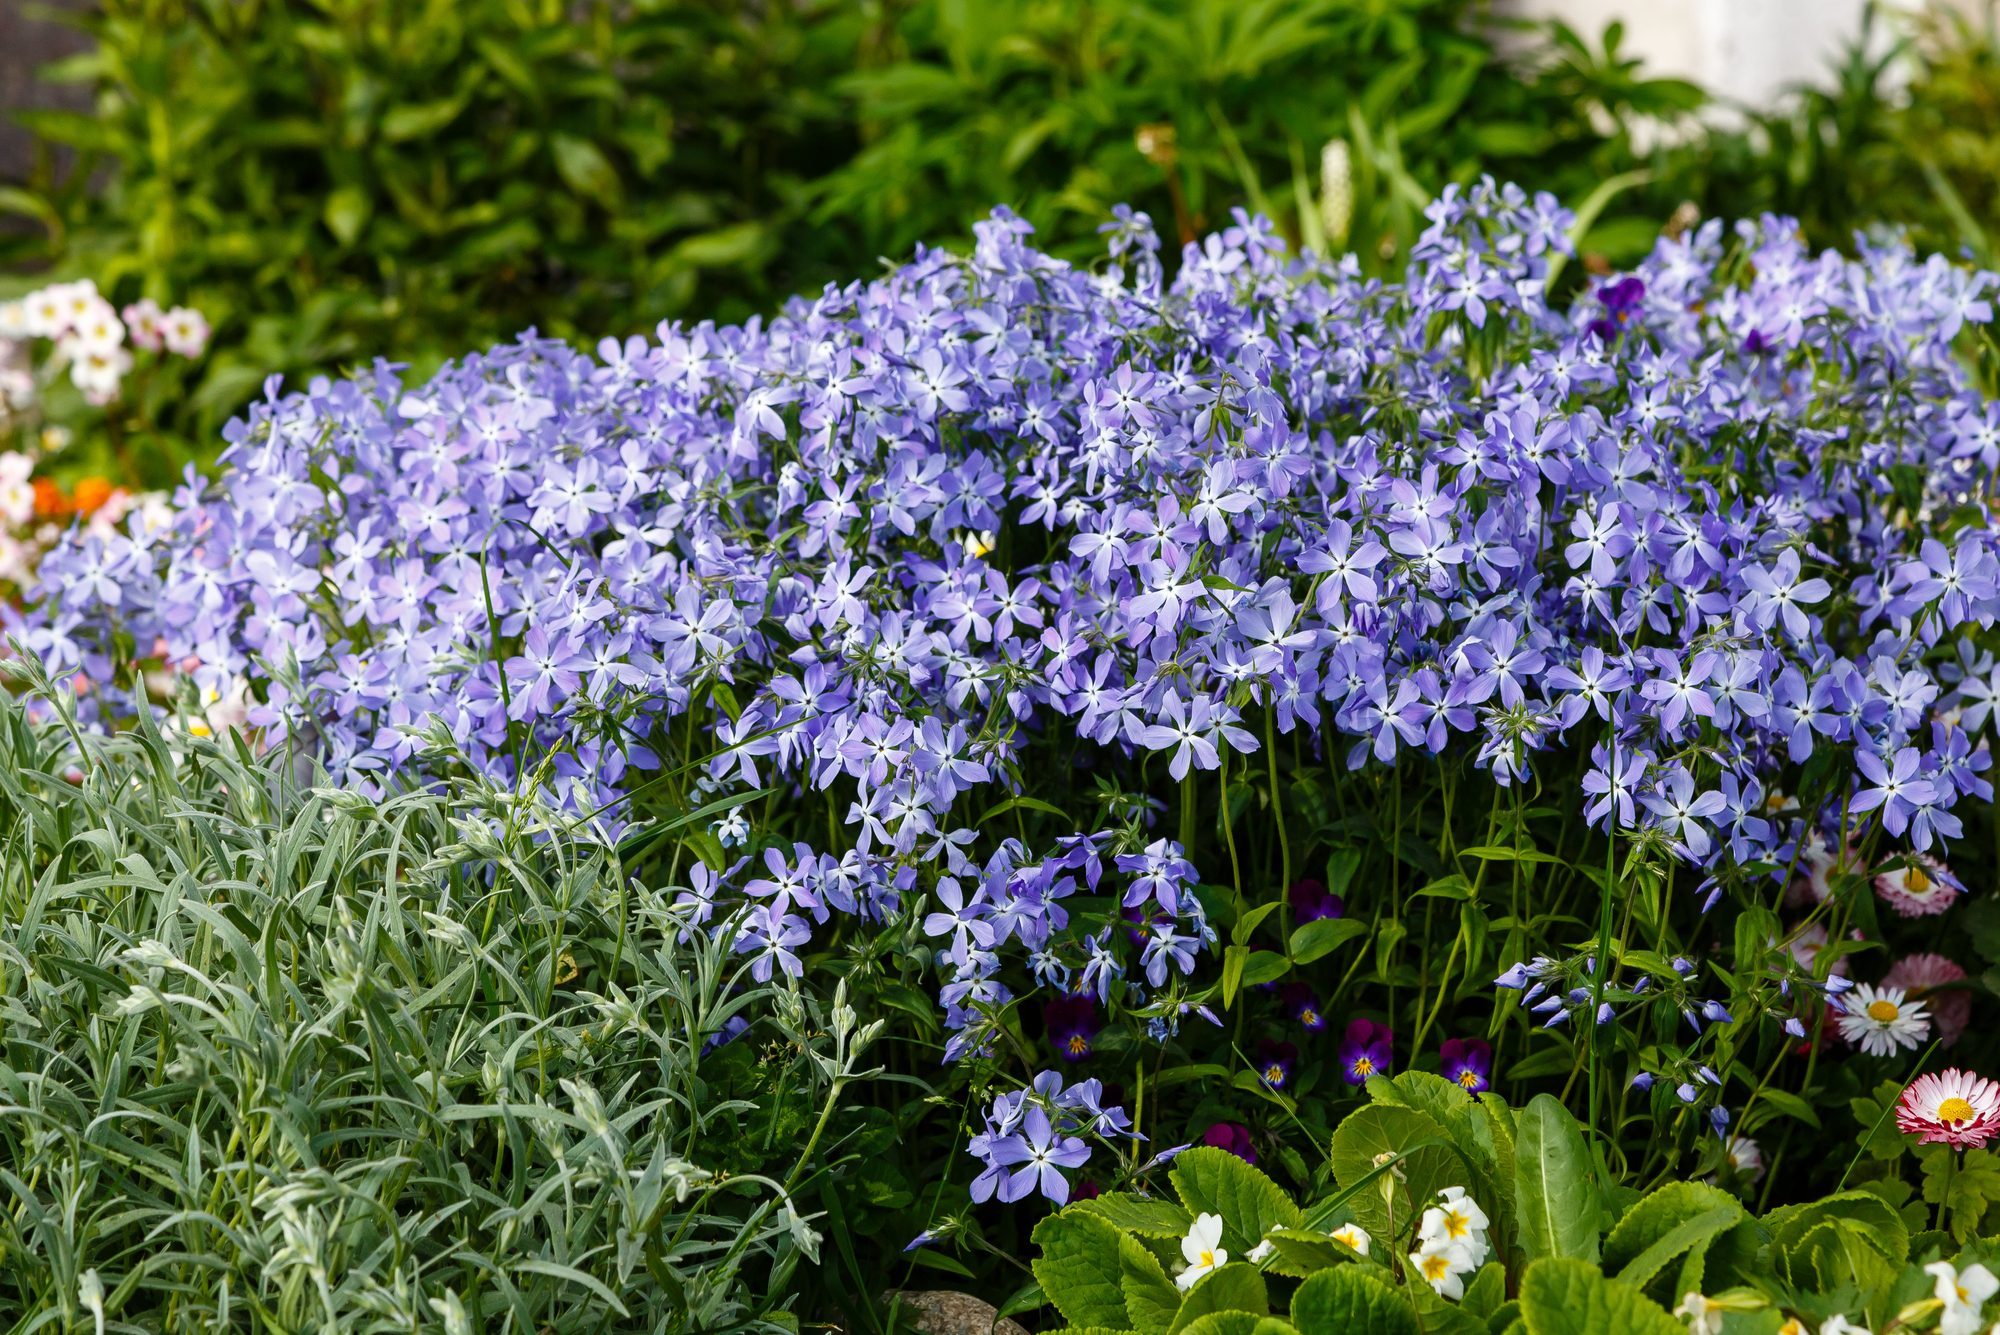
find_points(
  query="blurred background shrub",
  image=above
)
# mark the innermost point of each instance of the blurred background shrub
(331, 180)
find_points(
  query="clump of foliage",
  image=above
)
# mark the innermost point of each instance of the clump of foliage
(1176, 702)
(333, 181)
(1460, 1217)
(273, 1056)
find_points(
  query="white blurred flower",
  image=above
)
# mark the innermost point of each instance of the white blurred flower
(98, 329)
(185, 331)
(142, 319)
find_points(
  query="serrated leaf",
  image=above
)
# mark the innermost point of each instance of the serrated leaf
(1234, 1288)
(1151, 1300)
(1657, 1215)
(1079, 1269)
(1562, 1295)
(1148, 1216)
(1213, 1181)
(1554, 1199)
(1352, 1298)
(1682, 1237)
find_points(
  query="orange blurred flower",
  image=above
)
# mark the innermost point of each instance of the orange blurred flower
(92, 493)
(50, 503)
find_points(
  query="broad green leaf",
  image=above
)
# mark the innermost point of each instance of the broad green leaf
(1658, 1215)
(1352, 1298)
(1884, 1227)
(1151, 1300)
(1836, 1255)
(1563, 1295)
(1321, 936)
(1685, 1235)
(1225, 1323)
(1148, 1216)
(1235, 1287)
(1554, 1199)
(1381, 1131)
(1213, 1181)
(1301, 1252)
(1079, 1269)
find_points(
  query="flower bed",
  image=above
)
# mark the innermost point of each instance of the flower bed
(1175, 675)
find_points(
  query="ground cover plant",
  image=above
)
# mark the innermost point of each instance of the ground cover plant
(1174, 705)
(275, 1058)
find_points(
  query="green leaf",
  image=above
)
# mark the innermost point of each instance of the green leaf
(1301, 1252)
(1147, 1216)
(1879, 1138)
(1656, 1216)
(1225, 1323)
(1352, 1298)
(1965, 1189)
(1213, 1181)
(1789, 1225)
(1792, 1105)
(1322, 935)
(346, 213)
(1563, 1295)
(1080, 1269)
(584, 168)
(1682, 1237)
(1235, 1287)
(1379, 1131)
(1554, 1197)
(1151, 1300)
(420, 120)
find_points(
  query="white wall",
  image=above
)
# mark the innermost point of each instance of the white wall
(1748, 51)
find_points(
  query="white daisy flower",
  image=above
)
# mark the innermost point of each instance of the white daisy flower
(1881, 1020)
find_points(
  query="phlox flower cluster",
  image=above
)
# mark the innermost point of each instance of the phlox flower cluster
(1713, 528)
(1033, 1135)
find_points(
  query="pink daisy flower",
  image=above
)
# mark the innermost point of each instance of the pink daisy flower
(1952, 1107)
(1924, 887)
(1919, 975)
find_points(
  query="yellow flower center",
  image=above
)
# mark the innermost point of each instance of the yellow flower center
(1274, 1074)
(1362, 1066)
(1207, 1258)
(1468, 1077)
(1456, 1224)
(1436, 1267)
(1955, 1111)
(1309, 1018)
(1883, 1011)
(1079, 1046)
(1916, 882)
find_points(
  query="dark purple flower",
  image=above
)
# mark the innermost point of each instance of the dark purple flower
(1364, 1052)
(1468, 1063)
(1301, 1003)
(1275, 1063)
(1231, 1136)
(1072, 1022)
(1311, 901)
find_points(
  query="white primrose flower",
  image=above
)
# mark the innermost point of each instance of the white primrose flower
(1351, 1236)
(1202, 1248)
(1963, 1293)
(1456, 1225)
(1443, 1268)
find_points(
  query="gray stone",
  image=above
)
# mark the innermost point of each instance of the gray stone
(946, 1312)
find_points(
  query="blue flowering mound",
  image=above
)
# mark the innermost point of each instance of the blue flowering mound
(1707, 553)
